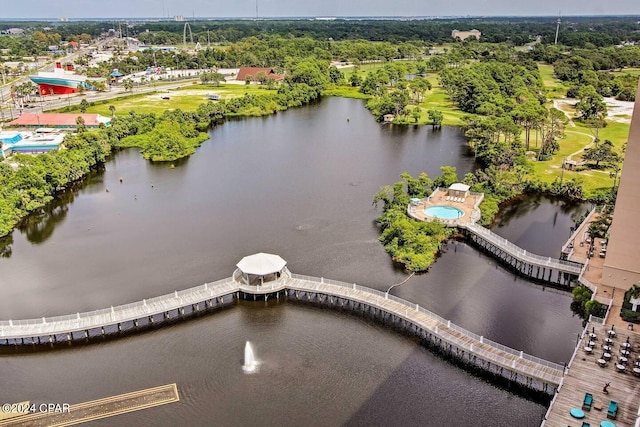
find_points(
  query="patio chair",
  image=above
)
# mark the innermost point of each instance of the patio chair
(587, 402)
(612, 411)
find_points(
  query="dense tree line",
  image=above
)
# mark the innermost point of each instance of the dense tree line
(173, 135)
(586, 32)
(594, 67)
(575, 31)
(34, 183)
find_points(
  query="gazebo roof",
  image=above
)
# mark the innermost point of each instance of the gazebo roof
(261, 264)
(458, 186)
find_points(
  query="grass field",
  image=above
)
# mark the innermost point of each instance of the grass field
(435, 99)
(555, 88)
(186, 98)
(632, 71)
(575, 140)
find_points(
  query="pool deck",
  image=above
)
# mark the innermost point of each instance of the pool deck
(439, 198)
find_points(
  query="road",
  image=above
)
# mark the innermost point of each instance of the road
(47, 103)
(5, 90)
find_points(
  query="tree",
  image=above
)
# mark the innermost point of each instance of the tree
(595, 124)
(435, 118)
(80, 125)
(591, 104)
(551, 130)
(418, 88)
(205, 77)
(355, 79)
(415, 114)
(311, 72)
(271, 83)
(261, 77)
(127, 84)
(112, 108)
(335, 76)
(400, 99)
(98, 85)
(84, 104)
(448, 177)
(601, 153)
(529, 115)
(247, 79)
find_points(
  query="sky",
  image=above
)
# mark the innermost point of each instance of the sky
(284, 8)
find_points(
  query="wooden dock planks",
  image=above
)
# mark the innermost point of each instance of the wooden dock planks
(586, 376)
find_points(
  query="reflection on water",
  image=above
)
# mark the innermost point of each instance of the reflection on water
(298, 184)
(539, 224)
(5, 246)
(39, 226)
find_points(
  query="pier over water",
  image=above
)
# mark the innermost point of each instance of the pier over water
(434, 331)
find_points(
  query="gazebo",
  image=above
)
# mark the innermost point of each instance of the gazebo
(459, 190)
(259, 268)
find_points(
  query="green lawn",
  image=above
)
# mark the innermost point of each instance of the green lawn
(555, 88)
(576, 138)
(186, 98)
(632, 71)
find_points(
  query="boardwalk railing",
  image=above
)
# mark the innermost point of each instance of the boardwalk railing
(440, 319)
(507, 246)
(432, 325)
(566, 248)
(589, 285)
(120, 313)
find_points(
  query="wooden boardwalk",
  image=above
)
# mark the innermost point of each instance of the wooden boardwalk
(584, 375)
(459, 338)
(511, 364)
(562, 266)
(97, 409)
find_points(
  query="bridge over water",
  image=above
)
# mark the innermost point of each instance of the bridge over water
(433, 330)
(547, 269)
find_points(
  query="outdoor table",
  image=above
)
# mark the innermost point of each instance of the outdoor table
(608, 340)
(607, 348)
(591, 344)
(607, 423)
(611, 333)
(588, 349)
(577, 413)
(623, 360)
(625, 352)
(626, 345)
(602, 362)
(636, 372)
(607, 356)
(592, 335)
(620, 368)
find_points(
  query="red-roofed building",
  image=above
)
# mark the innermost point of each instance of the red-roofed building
(253, 72)
(59, 120)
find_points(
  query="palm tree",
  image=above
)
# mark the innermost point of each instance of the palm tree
(112, 108)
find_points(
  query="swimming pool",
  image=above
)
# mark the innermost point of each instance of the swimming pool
(444, 212)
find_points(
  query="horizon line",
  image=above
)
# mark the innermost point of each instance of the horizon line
(308, 17)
